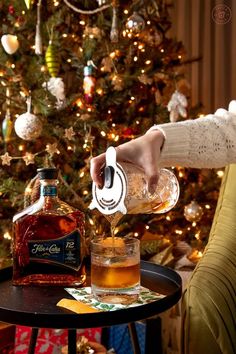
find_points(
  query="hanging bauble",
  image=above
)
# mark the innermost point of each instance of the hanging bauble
(10, 43)
(89, 83)
(52, 59)
(193, 211)
(28, 126)
(114, 34)
(177, 106)
(135, 24)
(7, 126)
(28, 3)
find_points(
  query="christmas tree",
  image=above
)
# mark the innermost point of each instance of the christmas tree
(77, 77)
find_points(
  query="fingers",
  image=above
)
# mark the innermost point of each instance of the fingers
(96, 166)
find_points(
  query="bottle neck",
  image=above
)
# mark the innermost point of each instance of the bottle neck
(48, 188)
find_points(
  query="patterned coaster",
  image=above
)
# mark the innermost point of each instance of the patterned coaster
(84, 295)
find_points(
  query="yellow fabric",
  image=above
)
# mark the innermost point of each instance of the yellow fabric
(209, 301)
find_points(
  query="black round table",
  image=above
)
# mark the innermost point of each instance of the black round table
(35, 306)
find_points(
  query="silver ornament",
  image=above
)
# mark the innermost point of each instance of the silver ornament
(135, 24)
(193, 212)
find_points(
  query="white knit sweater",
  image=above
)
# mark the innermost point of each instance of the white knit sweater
(208, 142)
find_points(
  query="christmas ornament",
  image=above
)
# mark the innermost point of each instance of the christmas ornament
(10, 43)
(88, 140)
(144, 79)
(6, 159)
(89, 83)
(101, 2)
(7, 123)
(52, 149)
(107, 64)
(177, 106)
(56, 87)
(27, 125)
(28, 3)
(114, 34)
(193, 212)
(52, 59)
(135, 24)
(69, 133)
(94, 32)
(28, 158)
(118, 82)
(11, 9)
(38, 38)
(151, 36)
(7, 126)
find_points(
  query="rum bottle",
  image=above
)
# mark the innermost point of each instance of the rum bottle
(48, 239)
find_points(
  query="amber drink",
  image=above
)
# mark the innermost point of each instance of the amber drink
(115, 269)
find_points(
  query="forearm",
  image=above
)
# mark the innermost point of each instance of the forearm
(207, 142)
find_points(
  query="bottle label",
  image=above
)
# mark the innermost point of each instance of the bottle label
(65, 250)
(48, 191)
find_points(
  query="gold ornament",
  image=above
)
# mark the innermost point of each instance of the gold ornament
(7, 126)
(6, 159)
(28, 158)
(52, 149)
(28, 3)
(118, 82)
(10, 43)
(52, 60)
(69, 133)
(193, 211)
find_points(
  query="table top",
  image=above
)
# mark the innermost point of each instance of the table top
(35, 306)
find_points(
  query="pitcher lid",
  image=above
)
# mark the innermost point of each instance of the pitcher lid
(111, 197)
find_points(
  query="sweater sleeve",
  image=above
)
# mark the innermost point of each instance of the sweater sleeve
(208, 142)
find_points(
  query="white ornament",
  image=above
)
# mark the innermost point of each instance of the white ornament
(56, 87)
(177, 106)
(10, 43)
(27, 125)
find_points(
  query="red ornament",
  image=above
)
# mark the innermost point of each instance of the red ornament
(11, 10)
(128, 132)
(88, 84)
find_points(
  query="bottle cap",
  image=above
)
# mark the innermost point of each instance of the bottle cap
(47, 173)
(111, 197)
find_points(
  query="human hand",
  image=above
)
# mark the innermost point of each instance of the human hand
(143, 152)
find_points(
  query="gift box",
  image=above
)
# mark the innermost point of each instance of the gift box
(7, 338)
(50, 341)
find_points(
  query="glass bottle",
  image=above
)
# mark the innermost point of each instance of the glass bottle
(48, 239)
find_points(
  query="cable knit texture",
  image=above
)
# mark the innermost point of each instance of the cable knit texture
(207, 142)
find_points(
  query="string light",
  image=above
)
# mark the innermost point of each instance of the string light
(207, 206)
(147, 227)
(7, 235)
(220, 173)
(147, 62)
(103, 133)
